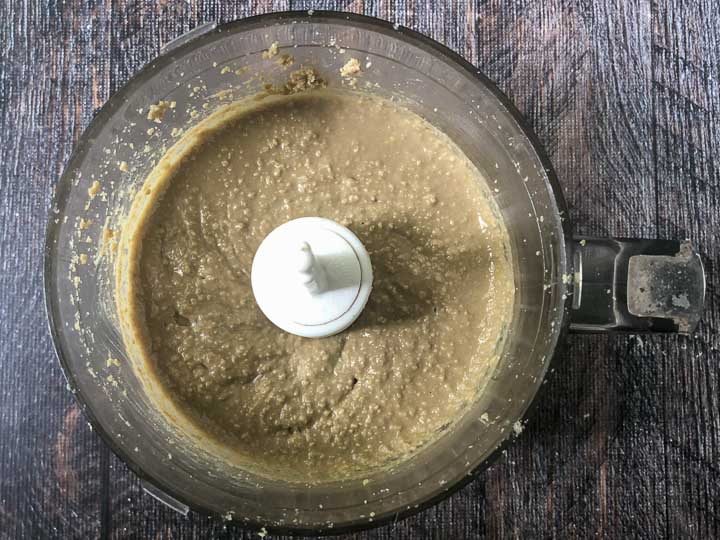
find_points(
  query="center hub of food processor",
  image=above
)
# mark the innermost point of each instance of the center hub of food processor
(311, 277)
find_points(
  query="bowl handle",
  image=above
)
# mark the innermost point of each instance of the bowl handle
(636, 285)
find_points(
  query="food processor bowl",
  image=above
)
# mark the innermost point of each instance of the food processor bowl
(215, 65)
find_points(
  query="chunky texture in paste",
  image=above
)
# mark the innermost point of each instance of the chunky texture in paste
(318, 409)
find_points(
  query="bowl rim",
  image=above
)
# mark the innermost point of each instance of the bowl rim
(64, 184)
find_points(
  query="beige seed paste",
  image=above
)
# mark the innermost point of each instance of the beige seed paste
(341, 406)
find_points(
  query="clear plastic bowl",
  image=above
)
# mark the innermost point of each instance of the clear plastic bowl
(200, 71)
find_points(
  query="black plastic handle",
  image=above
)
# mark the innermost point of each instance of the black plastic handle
(636, 285)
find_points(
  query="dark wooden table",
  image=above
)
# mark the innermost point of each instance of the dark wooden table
(624, 94)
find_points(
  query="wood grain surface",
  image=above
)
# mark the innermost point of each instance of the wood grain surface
(624, 94)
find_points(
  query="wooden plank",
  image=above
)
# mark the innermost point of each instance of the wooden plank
(632, 473)
(50, 462)
(591, 460)
(686, 95)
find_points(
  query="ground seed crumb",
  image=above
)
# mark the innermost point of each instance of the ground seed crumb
(272, 51)
(94, 189)
(351, 67)
(157, 111)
